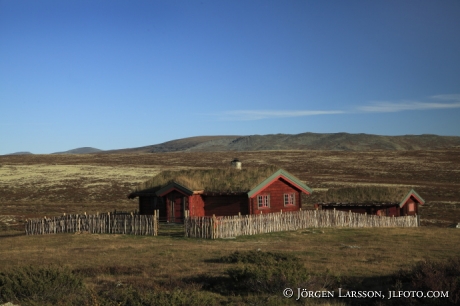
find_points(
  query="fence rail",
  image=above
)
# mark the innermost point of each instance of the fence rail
(105, 223)
(233, 226)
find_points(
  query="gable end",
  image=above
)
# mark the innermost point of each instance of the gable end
(174, 186)
(413, 194)
(280, 174)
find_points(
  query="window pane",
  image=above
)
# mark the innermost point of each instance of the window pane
(289, 199)
(411, 207)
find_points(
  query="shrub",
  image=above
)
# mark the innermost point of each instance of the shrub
(132, 296)
(265, 272)
(257, 257)
(44, 286)
(433, 276)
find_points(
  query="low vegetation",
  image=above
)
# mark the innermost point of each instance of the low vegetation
(211, 180)
(246, 277)
(169, 269)
(99, 269)
(363, 194)
(45, 185)
(432, 275)
(266, 272)
(41, 285)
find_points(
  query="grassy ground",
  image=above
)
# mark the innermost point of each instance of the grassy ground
(345, 258)
(367, 255)
(35, 186)
(358, 252)
(38, 185)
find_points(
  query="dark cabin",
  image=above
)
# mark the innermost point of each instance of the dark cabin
(220, 192)
(381, 201)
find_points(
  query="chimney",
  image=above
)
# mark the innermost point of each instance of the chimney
(236, 163)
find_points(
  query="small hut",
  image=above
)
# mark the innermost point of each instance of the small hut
(236, 163)
(382, 201)
(220, 192)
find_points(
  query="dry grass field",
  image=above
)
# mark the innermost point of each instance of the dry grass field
(38, 185)
(48, 185)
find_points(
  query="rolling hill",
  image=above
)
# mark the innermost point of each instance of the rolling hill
(304, 141)
(83, 150)
(20, 153)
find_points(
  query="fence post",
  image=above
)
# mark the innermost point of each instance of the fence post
(334, 218)
(213, 226)
(154, 218)
(157, 222)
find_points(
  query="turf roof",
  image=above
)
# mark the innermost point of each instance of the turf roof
(365, 194)
(210, 180)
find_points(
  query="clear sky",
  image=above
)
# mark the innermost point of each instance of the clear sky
(119, 74)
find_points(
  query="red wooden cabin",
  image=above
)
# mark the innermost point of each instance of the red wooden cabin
(381, 201)
(220, 192)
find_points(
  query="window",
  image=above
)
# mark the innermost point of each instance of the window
(289, 199)
(263, 201)
(411, 207)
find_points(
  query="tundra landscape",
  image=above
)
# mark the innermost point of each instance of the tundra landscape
(172, 270)
(336, 110)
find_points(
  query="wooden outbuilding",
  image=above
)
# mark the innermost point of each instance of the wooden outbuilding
(382, 201)
(220, 192)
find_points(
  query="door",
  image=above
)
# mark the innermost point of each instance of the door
(176, 208)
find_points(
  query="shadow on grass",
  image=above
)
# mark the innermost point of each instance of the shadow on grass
(8, 234)
(268, 274)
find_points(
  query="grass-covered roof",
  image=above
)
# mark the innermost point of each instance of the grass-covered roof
(363, 195)
(228, 180)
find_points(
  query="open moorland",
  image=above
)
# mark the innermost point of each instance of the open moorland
(172, 270)
(39, 185)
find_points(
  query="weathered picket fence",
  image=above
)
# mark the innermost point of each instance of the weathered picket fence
(233, 226)
(104, 223)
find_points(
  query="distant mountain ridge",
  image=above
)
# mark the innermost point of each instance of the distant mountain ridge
(20, 153)
(304, 141)
(83, 150)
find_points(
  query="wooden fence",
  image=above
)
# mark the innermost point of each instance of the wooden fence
(232, 226)
(105, 223)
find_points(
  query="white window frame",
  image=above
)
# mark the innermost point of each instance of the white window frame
(289, 199)
(263, 201)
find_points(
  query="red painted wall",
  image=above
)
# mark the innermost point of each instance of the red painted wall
(389, 212)
(196, 206)
(276, 190)
(405, 209)
(225, 205)
(230, 205)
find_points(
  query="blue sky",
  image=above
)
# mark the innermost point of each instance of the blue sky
(119, 74)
